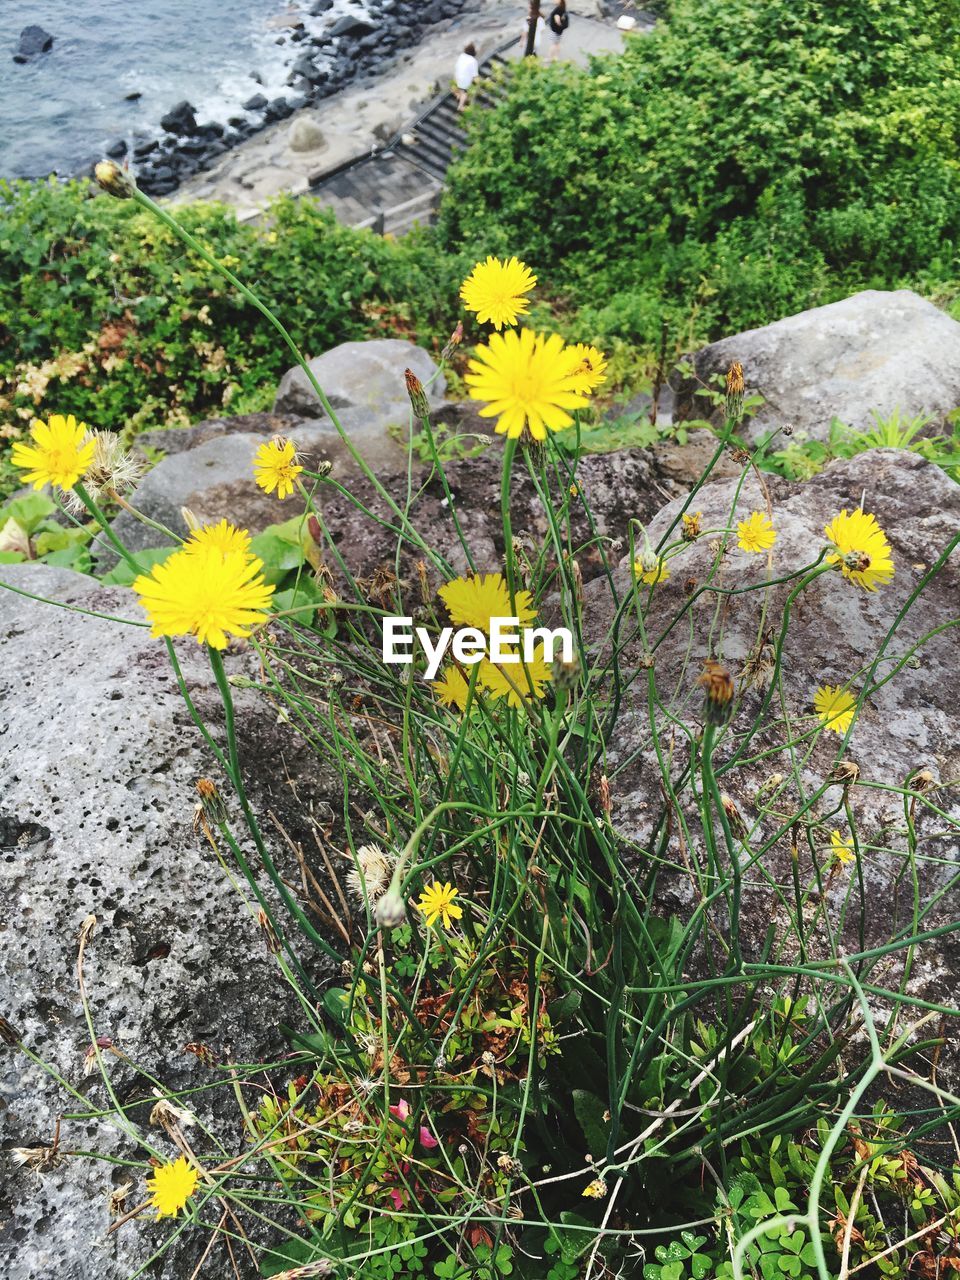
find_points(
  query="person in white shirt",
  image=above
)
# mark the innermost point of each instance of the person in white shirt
(464, 74)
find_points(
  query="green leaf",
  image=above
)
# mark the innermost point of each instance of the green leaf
(28, 511)
(60, 539)
(589, 1111)
(123, 574)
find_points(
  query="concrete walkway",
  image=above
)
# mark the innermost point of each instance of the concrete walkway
(359, 120)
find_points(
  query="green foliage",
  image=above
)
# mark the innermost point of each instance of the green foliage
(103, 313)
(744, 161)
(803, 457)
(30, 530)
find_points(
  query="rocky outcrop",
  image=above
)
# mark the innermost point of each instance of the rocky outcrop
(96, 804)
(33, 40)
(874, 351)
(361, 375)
(835, 635)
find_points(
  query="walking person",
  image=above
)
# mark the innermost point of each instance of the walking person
(465, 72)
(534, 31)
(558, 22)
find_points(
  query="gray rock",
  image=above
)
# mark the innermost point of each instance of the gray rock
(34, 40)
(368, 375)
(836, 631)
(256, 103)
(97, 776)
(353, 27)
(213, 476)
(306, 135)
(874, 351)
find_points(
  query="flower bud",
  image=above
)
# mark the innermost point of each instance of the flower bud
(455, 339)
(114, 180)
(391, 910)
(418, 397)
(733, 406)
(718, 684)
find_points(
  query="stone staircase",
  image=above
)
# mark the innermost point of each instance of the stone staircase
(400, 185)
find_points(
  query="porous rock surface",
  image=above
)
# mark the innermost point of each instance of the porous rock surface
(97, 770)
(835, 632)
(876, 350)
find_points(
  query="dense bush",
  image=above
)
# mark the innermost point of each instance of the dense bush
(97, 295)
(742, 162)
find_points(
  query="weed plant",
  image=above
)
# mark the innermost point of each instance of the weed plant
(511, 1060)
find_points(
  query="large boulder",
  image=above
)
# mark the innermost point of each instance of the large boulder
(97, 777)
(209, 468)
(361, 375)
(836, 632)
(180, 119)
(34, 40)
(877, 351)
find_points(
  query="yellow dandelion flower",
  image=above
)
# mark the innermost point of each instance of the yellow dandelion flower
(495, 291)
(651, 569)
(516, 681)
(60, 453)
(841, 849)
(589, 367)
(835, 706)
(474, 601)
(691, 525)
(863, 552)
(452, 688)
(527, 382)
(437, 903)
(224, 536)
(205, 593)
(275, 467)
(171, 1187)
(756, 533)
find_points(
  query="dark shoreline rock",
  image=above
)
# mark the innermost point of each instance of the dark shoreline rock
(33, 40)
(354, 48)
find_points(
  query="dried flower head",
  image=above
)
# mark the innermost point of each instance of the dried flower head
(733, 406)
(846, 773)
(923, 782)
(322, 1267)
(269, 933)
(38, 1160)
(719, 687)
(113, 470)
(117, 1201)
(166, 1116)
(202, 1052)
(7, 1033)
(370, 875)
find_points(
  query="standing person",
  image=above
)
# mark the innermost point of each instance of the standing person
(533, 33)
(465, 72)
(558, 23)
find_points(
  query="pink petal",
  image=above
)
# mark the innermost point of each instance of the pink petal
(397, 1198)
(400, 1109)
(426, 1137)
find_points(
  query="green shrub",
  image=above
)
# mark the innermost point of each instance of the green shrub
(104, 314)
(744, 161)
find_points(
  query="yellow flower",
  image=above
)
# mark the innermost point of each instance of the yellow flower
(516, 681)
(841, 849)
(452, 688)
(473, 601)
(589, 367)
(595, 1190)
(437, 903)
(495, 289)
(863, 552)
(835, 707)
(206, 593)
(60, 453)
(171, 1187)
(757, 533)
(527, 382)
(275, 467)
(225, 537)
(651, 569)
(691, 526)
